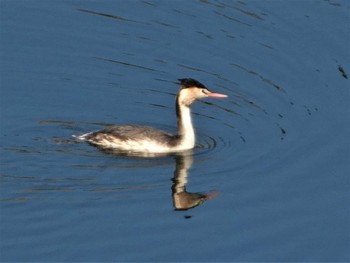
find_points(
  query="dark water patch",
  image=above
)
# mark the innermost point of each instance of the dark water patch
(125, 188)
(205, 35)
(164, 24)
(334, 3)
(247, 101)
(22, 150)
(342, 71)
(268, 81)
(248, 13)
(231, 18)
(157, 105)
(204, 71)
(266, 45)
(44, 189)
(15, 199)
(73, 123)
(127, 64)
(115, 17)
(230, 111)
(283, 132)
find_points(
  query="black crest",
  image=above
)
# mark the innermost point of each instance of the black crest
(188, 83)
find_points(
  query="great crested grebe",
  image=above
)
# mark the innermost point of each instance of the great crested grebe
(144, 139)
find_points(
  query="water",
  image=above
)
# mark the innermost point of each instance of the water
(269, 179)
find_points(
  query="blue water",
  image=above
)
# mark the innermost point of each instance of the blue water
(269, 178)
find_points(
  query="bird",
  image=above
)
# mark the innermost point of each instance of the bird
(149, 140)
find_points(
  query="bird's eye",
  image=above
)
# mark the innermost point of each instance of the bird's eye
(204, 91)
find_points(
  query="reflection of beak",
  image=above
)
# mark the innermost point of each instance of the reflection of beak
(211, 195)
(216, 95)
(185, 200)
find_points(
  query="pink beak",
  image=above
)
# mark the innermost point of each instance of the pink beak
(216, 95)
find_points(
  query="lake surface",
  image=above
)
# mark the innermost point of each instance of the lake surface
(269, 177)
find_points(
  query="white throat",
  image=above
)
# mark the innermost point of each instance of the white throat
(185, 127)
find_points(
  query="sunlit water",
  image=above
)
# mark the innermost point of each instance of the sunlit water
(269, 177)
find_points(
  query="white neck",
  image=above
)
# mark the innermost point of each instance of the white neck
(185, 127)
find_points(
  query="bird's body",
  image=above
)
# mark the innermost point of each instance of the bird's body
(136, 138)
(144, 139)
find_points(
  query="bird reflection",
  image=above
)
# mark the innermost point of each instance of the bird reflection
(183, 200)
